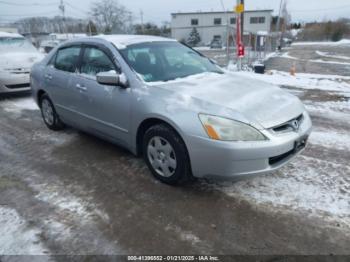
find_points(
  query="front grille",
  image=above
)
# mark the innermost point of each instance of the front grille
(18, 86)
(288, 126)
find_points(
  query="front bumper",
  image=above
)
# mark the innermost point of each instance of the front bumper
(210, 158)
(14, 82)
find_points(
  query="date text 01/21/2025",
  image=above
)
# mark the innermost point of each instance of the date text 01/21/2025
(173, 258)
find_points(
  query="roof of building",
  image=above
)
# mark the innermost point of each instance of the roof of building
(219, 12)
(5, 34)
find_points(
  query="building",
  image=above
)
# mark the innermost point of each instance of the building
(8, 29)
(213, 25)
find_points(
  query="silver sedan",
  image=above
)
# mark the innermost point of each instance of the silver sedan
(160, 99)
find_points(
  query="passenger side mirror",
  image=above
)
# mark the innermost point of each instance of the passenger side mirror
(112, 79)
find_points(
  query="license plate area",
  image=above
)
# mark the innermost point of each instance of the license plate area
(300, 144)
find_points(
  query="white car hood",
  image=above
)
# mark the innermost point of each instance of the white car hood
(258, 101)
(16, 60)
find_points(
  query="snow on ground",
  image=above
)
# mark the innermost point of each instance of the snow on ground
(328, 62)
(17, 238)
(304, 81)
(341, 42)
(318, 187)
(331, 139)
(326, 54)
(286, 55)
(18, 104)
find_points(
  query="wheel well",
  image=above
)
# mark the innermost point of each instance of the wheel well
(40, 94)
(145, 125)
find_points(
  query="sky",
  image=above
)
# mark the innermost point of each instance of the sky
(158, 11)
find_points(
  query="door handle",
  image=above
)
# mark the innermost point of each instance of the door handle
(49, 77)
(81, 88)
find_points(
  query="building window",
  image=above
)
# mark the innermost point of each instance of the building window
(217, 21)
(233, 20)
(262, 20)
(194, 21)
(257, 20)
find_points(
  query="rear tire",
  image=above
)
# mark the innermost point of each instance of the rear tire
(48, 112)
(166, 155)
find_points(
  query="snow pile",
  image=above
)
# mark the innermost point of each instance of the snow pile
(341, 42)
(19, 104)
(325, 54)
(330, 139)
(16, 237)
(319, 187)
(305, 81)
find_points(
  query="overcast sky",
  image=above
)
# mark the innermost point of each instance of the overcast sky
(159, 10)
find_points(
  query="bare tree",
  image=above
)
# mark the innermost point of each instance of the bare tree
(111, 17)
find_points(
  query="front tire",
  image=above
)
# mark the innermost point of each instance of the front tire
(48, 112)
(166, 155)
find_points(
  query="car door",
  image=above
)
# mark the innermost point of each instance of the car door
(106, 109)
(59, 76)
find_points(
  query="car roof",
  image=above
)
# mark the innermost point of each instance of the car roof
(122, 41)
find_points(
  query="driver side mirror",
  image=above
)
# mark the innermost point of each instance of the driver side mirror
(112, 79)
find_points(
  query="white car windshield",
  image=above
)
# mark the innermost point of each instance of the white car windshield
(165, 61)
(15, 44)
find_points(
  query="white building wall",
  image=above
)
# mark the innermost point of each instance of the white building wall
(181, 24)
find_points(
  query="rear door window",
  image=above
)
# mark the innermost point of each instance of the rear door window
(67, 59)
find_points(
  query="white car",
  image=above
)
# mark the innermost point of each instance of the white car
(17, 56)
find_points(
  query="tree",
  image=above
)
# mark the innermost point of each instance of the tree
(91, 28)
(194, 38)
(111, 17)
(152, 29)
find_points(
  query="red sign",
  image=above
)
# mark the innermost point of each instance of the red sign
(241, 50)
(240, 46)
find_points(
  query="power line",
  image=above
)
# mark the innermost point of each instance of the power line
(30, 15)
(322, 9)
(76, 8)
(27, 4)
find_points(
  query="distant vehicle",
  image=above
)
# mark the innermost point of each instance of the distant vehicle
(216, 44)
(167, 102)
(56, 39)
(17, 55)
(47, 46)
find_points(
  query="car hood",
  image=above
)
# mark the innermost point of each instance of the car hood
(259, 102)
(19, 60)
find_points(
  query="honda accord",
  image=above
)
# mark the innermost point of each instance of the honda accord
(163, 100)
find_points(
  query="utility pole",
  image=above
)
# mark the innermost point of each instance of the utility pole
(142, 25)
(279, 24)
(238, 36)
(62, 8)
(242, 22)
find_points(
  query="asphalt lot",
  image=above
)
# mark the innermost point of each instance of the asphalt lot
(70, 193)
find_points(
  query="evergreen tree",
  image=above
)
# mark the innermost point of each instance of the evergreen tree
(194, 38)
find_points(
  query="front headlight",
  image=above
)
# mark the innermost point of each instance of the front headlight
(224, 129)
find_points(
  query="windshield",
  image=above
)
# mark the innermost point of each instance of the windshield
(15, 44)
(165, 61)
